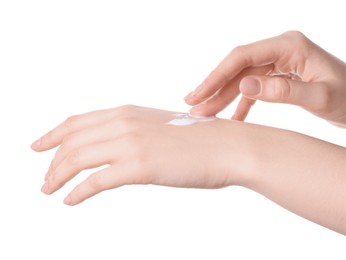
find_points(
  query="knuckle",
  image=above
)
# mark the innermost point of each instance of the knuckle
(70, 122)
(74, 157)
(241, 53)
(56, 178)
(282, 90)
(68, 141)
(277, 89)
(96, 182)
(297, 38)
(65, 148)
(126, 110)
(239, 50)
(294, 34)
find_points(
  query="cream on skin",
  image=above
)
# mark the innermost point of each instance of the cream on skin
(186, 119)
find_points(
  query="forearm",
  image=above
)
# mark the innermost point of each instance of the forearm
(305, 175)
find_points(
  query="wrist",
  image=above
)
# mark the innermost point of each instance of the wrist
(263, 151)
(243, 151)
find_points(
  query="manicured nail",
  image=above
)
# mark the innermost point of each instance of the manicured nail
(45, 187)
(250, 86)
(68, 200)
(35, 145)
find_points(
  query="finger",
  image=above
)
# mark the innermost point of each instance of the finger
(216, 103)
(74, 141)
(74, 123)
(311, 96)
(105, 179)
(228, 93)
(243, 108)
(260, 53)
(92, 135)
(83, 158)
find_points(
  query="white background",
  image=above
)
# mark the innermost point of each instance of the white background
(59, 58)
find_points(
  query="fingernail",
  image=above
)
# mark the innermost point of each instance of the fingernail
(68, 200)
(45, 187)
(195, 92)
(35, 145)
(190, 95)
(197, 108)
(250, 86)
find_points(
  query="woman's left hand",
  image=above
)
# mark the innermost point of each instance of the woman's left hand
(138, 147)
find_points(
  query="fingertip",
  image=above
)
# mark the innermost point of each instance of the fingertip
(235, 117)
(197, 110)
(197, 96)
(193, 100)
(189, 96)
(188, 101)
(68, 201)
(36, 145)
(45, 188)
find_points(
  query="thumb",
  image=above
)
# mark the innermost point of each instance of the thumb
(282, 90)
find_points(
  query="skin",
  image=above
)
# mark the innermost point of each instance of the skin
(136, 146)
(289, 68)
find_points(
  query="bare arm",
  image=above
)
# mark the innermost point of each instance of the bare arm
(303, 174)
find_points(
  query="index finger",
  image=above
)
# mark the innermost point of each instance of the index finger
(255, 54)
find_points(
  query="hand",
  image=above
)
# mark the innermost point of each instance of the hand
(287, 69)
(138, 147)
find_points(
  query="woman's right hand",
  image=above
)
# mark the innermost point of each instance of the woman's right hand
(288, 68)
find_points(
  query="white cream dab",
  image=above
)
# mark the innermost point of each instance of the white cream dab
(186, 119)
